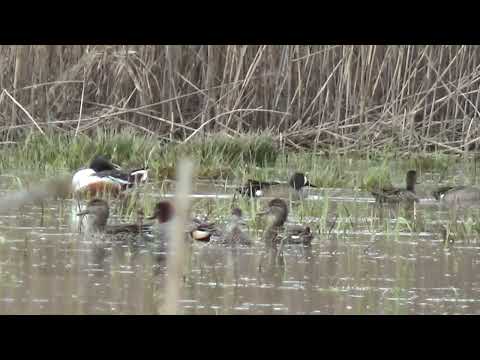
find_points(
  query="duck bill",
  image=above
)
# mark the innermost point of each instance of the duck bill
(150, 217)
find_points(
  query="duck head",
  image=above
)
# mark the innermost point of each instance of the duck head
(276, 213)
(237, 217)
(101, 163)
(411, 180)
(299, 180)
(163, 212)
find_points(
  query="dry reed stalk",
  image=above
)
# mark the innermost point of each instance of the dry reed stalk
(347, 90)
(176, 246)
(24, 110)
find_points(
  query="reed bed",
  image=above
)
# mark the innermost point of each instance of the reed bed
(351, 98)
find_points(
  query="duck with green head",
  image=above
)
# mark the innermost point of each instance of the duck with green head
(397, 195)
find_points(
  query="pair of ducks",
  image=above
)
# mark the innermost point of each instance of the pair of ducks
(294, 189)
(276, 215)
(445, 194)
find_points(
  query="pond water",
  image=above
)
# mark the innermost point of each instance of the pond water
(362, 262)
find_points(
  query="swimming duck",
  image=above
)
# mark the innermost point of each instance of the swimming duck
(102, 175)
(276, 215)
(202, 230)
(234, 233)
(163, 213)
(295, 187)
(457, 194)
(99, 212)
(396, 195)
(255, 188)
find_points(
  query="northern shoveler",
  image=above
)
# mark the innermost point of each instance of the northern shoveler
(104, 176)
(295, 187)
(396, 195)
(276, 215)
(457, 194)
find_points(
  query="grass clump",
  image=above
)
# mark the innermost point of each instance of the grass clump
(378, 177)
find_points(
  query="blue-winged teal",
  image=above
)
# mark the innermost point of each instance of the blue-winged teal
(99, 211)
(396, 195)
(164, 211)
(276, 215)
(232, 234)
(102, 175)
(295, 187)
(457, 194)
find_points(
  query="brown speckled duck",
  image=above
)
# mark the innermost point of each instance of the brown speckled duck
(397, 195)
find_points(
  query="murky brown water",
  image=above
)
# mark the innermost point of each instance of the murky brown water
(47, 267)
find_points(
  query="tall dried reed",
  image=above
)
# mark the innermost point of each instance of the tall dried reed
(409, 98)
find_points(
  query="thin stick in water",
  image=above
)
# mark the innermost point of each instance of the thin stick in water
(176, 246)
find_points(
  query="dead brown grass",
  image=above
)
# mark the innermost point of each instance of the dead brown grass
(354, 98)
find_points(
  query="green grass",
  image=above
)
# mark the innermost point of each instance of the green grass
(221, 156)
(229, 161)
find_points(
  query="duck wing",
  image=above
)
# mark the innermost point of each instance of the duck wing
(252, 186)
(394, 195)
(298, 234)
(128, 228)
(440, 192)
(457, 194)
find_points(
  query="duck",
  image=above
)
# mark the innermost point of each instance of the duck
(202, 231)
(163, 213)
(276, 215)
(235, 233)
(104, 176)
(397, 195)
(298, 181)
(255, 188)
(98, 212)
(457, 194)
(197, 229)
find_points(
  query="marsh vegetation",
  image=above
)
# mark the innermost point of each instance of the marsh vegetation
(352, 118)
